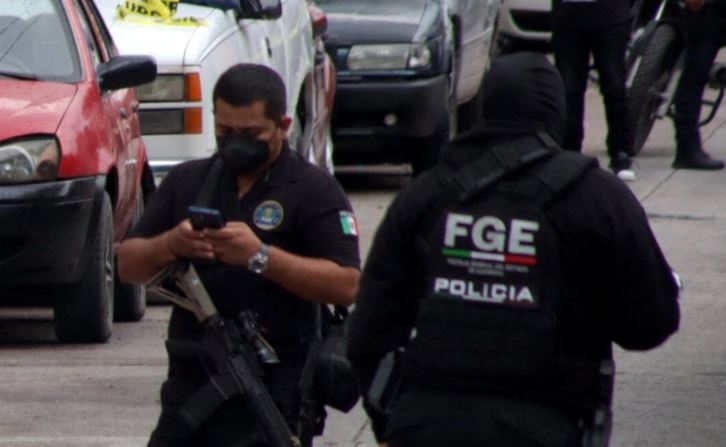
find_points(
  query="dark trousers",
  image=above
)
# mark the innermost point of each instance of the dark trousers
(704, 37)
(573, 47)
(434, 419)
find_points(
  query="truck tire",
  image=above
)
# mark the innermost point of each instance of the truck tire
(83, 311)
(652, 76)
(426, 154)
(129, 301)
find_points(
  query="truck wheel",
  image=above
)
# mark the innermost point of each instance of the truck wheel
(83, 311)
(426, 154)
(129, 301)
(651, 78)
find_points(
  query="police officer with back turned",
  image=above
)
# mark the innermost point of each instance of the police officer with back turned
(500, 279)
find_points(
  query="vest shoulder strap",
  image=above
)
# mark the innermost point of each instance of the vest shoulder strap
(561, 171)
(494, 164)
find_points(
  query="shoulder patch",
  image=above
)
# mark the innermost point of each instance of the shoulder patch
(268, 215)
(348, 223)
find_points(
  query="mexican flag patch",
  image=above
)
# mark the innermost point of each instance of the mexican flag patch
(348, 223)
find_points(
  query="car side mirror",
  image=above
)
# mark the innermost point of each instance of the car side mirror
(261, 9)
(126, 71)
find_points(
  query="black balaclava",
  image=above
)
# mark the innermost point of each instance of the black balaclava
(523, 93)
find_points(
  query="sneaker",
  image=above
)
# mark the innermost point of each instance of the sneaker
(626, 175)
(621, 166)
(698, 160)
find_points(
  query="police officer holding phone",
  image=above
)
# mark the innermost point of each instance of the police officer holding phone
(287, 241)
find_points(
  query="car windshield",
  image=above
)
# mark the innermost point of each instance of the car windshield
(36, 42)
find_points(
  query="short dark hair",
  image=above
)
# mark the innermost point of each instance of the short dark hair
(244, 84)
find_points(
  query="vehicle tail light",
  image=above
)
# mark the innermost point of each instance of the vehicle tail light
(193, 120)
(192, 87)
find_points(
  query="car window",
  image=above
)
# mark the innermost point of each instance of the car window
(89, 35)
(103, 30)
(36, 41)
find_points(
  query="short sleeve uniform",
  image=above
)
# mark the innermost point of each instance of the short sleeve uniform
(295, 206)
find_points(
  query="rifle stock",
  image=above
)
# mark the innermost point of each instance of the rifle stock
(234, 355)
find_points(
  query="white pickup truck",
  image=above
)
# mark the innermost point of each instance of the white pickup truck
(193, 42)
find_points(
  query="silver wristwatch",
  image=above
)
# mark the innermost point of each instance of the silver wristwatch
(258, 262)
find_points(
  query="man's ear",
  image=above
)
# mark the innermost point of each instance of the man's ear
(285, 124)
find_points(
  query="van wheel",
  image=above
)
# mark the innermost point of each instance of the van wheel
(83, 311)
(129, 303)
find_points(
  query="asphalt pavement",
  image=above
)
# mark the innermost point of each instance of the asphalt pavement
(673, 395)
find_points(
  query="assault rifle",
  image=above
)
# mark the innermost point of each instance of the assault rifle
(233, 350)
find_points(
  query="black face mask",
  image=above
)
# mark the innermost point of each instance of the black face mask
(242, 154)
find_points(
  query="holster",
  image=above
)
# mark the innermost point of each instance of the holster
(387, 384)
(597, 430)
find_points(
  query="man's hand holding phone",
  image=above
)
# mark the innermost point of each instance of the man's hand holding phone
(202, 218)
(234, 244)
(206, 234)
(187, 239)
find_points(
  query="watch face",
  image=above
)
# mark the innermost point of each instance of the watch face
(257, 265)
(258, 262)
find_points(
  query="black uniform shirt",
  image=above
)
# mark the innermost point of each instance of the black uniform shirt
(294, 206)
(587, 13)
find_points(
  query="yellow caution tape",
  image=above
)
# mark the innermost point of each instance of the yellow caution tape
(154, 12)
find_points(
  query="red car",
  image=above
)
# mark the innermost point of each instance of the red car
(73, 167)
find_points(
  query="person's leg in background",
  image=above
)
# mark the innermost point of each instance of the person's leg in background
(609, 44)
(702, 46)
(571, 46)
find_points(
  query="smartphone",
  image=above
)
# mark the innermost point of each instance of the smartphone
(202, 217)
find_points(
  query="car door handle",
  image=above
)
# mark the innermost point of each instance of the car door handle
(269, 47)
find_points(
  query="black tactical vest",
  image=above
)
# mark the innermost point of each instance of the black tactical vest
(491, 315)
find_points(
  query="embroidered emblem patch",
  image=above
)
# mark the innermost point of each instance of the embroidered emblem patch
(348, 223)
(268, 215)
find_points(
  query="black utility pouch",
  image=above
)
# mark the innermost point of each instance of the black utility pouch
(335, 384)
